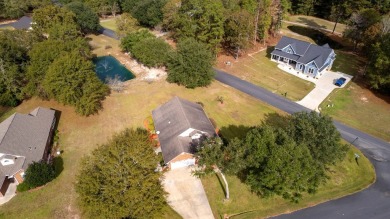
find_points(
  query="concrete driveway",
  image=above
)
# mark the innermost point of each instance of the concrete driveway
(186, 194)
(324, 86)
(11, 192)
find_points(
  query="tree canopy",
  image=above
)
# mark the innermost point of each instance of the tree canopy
(191, 65)
(86, 18)
(118, 180)
(286, 160)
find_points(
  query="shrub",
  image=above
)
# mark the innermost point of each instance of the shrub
(38, 174)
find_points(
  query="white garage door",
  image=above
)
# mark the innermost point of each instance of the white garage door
(182, 163)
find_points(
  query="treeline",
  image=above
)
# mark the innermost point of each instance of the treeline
(336, 10)
(285, 156)
(53, 61)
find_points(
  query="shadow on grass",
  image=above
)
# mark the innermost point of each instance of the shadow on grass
(310, 22)
(58, 163)
(317, 36)
(275, 120)
(234, 131)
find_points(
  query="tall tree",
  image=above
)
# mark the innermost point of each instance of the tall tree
(71, 80)
(58, 23)
(191, 65)
(119, 179)
(86, 18)
(126, 24)
(147, 12)
(202, 20)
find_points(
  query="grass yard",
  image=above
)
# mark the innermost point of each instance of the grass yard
(346, 178)
(80, 135)
(316, 22)
(108, 23)
(260, 70)
(360, 108)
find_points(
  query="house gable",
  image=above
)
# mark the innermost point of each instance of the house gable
(289, 49)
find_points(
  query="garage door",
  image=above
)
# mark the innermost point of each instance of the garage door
(182, 163)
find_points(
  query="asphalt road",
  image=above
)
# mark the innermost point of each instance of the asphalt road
(373, 202)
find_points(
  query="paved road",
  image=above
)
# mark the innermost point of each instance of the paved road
(109, 33)
(374, 202)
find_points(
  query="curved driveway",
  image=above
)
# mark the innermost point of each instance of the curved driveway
(374, 202)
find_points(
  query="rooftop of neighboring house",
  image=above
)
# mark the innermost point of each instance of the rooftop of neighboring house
(175, 117)
(303, 52)
(26, 135)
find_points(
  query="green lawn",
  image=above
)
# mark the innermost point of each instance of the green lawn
(316, 22)
(108, 23)
(346, 178)
(80, 135)
(260, 70)
(360, 108)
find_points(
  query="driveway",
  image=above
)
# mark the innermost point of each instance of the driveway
(186, 194)
(9, 194)
(324, 86)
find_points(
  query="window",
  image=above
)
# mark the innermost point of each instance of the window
(311, 70)
(289, 51)
(300, 67)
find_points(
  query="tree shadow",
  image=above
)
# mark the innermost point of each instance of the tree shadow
(275, 120)
(58, 163)
(234, 131)
(317, 36)
(310, 23)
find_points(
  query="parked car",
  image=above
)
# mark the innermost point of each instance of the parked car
(340, 82)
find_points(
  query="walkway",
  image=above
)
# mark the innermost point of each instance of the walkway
(186, 194)
(11, 192)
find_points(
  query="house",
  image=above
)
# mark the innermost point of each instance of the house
(181, 125)
(24, 139)
(304, 57)
(24, 23)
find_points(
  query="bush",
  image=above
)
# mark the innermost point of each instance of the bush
(22, 187)
(128, 42)
(152, 52)
(37, 174)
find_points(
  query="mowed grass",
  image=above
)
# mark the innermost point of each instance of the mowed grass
(317, 22)
(345, 178)
(260, 70)
(360, 108)
(80, 135)
(109, 23)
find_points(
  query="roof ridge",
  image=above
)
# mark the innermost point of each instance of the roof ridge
(8, 128)
(182, 110)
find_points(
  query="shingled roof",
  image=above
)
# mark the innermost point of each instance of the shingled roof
(27, 134)
(308, 52)
(172, 119)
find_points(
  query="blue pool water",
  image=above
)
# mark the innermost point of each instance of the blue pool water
(109, 67)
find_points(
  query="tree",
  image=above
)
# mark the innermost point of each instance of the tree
(104, 7)
(126, 24)
(170, 11)
(238, 29)
(42, 55)
(378, 71)
(86, 18)
(276, 164)
(191, 65)
(147, 12)
(210, 159)
(71, 80)
(359, 24)
(14, 46)
(202, 20)
(318, 133)
(118, 180)
(38, 174)
(132, 39)
(58, 23)
(152, 52)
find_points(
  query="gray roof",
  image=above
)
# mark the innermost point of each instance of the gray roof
(172, 119)
(27, 135)
(11, 169)
(308, 52)
(298, 46)
(23, 23)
